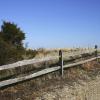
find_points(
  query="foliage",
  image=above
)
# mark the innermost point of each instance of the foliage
(31, 53)
(11, 46)
(12, 33)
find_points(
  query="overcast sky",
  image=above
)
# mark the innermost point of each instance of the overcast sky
(55, 23)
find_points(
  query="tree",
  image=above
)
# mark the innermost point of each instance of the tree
(11, 47)
(12, 34)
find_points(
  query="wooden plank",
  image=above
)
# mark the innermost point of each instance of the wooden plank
(26, 62)
(20, 79)
(79, 63)
(32, 61)
(98, 57)
(42, 72)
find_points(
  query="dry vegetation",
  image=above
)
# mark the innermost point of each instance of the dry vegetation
(41, 53)
(42, 88)
(74, 85)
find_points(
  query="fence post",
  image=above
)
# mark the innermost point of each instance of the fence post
(61, 62)
(96, 51)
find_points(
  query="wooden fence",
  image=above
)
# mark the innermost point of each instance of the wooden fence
(61, 67)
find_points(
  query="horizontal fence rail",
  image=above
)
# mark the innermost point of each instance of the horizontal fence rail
(20, 79)
(32, 61)
(42, 72)
(61, 67)
(81, 62)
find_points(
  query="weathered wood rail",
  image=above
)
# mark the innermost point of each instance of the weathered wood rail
(32, 61)
(61, 67)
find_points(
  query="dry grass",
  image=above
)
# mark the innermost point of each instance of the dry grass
(32, 89)
(55, 52)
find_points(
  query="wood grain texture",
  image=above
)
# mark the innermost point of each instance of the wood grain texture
(20, 79)
(32, 61)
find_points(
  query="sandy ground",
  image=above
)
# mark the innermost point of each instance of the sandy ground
(88, 89)
(80, 91)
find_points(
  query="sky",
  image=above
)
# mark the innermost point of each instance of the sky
(55, 23)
